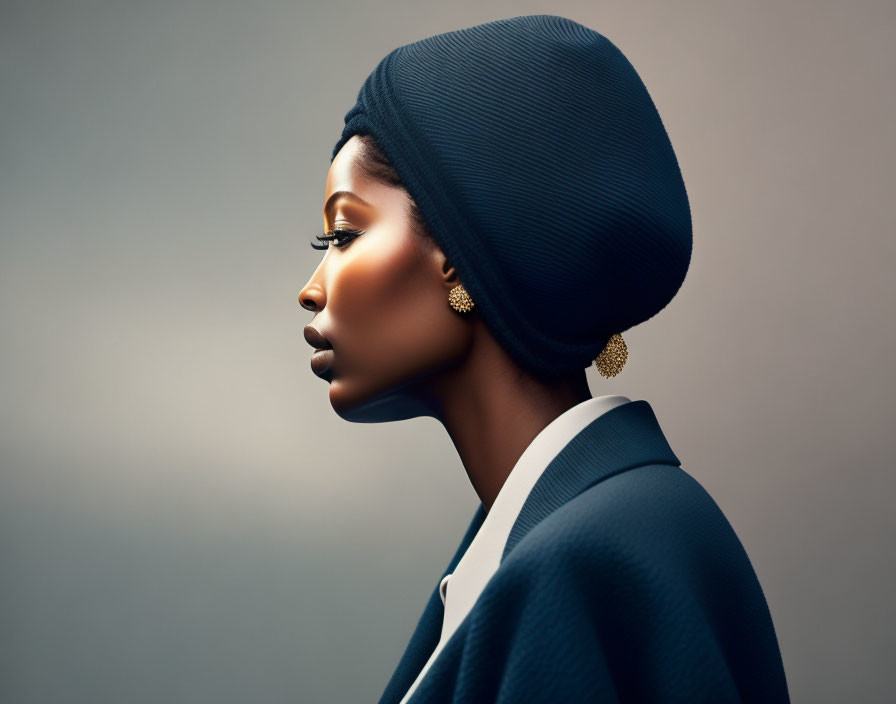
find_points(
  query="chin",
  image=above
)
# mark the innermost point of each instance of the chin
(368, 406)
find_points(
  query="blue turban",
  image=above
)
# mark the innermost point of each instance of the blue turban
(543, 170)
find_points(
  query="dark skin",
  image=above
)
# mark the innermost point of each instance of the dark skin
(400, 351)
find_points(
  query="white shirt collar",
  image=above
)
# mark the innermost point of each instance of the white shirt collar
(483, 555)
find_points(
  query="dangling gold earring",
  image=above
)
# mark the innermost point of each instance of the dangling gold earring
(613, 356)
(460, 300)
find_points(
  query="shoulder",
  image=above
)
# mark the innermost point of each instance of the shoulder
(650, 535)
(656, 511)
(645, 567)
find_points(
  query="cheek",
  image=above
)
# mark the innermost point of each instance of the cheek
(385, 306)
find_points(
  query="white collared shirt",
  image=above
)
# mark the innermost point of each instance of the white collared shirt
(483, 555)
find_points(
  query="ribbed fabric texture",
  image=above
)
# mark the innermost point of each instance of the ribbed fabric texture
(622, 583)
(543, 170)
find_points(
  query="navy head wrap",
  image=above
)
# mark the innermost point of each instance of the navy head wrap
(543, 170)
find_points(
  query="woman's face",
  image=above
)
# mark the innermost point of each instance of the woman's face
(380, 300)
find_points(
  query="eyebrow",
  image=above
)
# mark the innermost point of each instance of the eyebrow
(342, 194)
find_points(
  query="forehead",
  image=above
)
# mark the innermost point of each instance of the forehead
(345, 171)
(347, 183)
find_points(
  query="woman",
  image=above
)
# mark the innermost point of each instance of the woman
(502, 203)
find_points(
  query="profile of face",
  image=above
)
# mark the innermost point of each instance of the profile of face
(380, 301)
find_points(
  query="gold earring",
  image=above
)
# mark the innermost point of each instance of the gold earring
(613, 356)
(460, 300)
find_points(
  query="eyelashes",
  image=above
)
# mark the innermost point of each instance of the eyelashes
(340, 237)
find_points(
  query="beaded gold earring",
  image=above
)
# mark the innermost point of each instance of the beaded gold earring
(613, 356)
(460, 300)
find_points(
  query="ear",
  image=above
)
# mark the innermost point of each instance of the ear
(449, 274)
(446, 269)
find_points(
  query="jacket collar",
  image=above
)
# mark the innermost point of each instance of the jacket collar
(622, 438)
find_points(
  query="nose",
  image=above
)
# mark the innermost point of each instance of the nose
(312, 296)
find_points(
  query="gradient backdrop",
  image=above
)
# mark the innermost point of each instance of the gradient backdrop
(183, 517)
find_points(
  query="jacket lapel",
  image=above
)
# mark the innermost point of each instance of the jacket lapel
(429, 627)
(622, 438)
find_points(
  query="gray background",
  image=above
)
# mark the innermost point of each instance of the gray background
(183, 517)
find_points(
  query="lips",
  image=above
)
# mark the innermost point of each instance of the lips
(322, 359)
(316, 338)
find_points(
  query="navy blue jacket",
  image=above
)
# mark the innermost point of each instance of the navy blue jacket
(621, 581)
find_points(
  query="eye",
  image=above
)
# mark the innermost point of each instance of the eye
(340, 237)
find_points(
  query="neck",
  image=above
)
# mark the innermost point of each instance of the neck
(493, 409)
